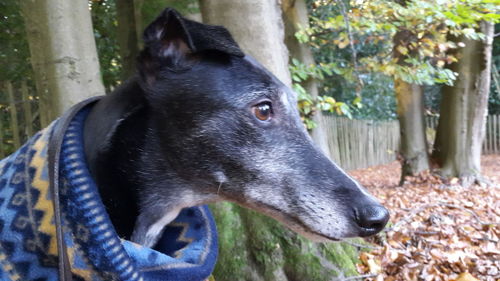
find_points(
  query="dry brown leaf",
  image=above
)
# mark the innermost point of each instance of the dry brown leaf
(431, 240)
(466, 276)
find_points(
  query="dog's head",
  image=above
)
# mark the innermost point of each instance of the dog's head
(231, 128)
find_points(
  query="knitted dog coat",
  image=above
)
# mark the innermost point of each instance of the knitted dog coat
(187, 250)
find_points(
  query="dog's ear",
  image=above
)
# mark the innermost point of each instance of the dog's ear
(212, 38)
(171, 40)
(167, 43)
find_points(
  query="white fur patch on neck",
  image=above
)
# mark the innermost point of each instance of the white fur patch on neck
(157, 228)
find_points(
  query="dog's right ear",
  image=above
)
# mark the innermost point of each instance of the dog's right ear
(167, 43)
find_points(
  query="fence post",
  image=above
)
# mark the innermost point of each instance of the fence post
(496, 133)
(13, 115)
(28, 117)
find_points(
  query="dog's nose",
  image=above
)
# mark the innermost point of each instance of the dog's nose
(371, 219)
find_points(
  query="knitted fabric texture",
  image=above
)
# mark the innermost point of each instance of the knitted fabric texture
(28, 245)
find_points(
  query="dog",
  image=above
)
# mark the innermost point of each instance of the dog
(203, 122)
(115, 188)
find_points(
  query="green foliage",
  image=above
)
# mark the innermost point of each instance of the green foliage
(367, 42)
(309, 105)
(105, 29)
(420, 52)
(14, 50)
(494, 99)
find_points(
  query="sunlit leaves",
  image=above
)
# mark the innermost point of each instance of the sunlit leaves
(309, 105)
(428, 22)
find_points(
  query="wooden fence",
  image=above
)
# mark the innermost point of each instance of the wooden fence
(19, 115)
(356, 144)
(491, 143)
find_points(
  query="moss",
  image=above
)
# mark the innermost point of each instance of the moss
(342, 255)
(233, 253)
(301, 261)
(263, 243)
(255, 247)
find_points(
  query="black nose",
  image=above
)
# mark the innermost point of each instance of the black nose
(371, 219)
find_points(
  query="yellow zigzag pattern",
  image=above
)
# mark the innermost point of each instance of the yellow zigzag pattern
(182, 237)
(43, 204)
(85, 274)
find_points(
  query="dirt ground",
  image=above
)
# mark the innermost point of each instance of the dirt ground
(438, 230)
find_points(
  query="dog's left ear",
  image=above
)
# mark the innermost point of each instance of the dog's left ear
(171, 40)
(166, 43)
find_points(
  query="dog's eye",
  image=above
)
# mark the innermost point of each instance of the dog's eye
(263, 111)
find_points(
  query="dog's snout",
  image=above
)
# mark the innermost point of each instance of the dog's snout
(371, 219)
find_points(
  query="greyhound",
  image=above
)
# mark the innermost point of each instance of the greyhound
(203, 122)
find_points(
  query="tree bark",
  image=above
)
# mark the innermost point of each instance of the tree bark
(257, 27)
(252, 246)
(410, 110)
(295, 17)
(63, 52)
(464, 109)
(127, 36)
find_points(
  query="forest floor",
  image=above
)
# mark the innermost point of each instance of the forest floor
(439, 230)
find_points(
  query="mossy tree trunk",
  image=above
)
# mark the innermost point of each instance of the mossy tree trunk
(257, 248)
(294, 18)
(63, 52)
(410, 110)
(464, 109)
(252, 246)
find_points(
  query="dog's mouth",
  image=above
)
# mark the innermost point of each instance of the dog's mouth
(292, 222)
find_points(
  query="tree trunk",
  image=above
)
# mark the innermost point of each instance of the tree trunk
(257, 27)
(63, 52)
(127, 36)
(252, 246)
(295, 17)
(464, 109)
(410, 110)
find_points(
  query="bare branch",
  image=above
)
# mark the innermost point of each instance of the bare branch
(354, 55)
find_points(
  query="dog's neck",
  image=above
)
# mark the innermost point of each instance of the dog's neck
(138, 190)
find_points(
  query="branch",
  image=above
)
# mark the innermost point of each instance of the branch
(409, 216)
(358, 245)
(476, 216)
(354, 56)
(359, 277)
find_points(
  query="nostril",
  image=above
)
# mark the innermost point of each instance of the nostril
(371, 218)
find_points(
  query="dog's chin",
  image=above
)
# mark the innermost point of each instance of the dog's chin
(317, 237)
(291, 222)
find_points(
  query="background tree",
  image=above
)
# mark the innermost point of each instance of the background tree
(464, 108)
(418, 54)
(295, 17)
(63, 52)
(410, 110)
(128, 39)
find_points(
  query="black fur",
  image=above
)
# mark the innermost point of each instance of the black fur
(183, 132)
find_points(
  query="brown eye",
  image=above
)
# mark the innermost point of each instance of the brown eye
(263, 111)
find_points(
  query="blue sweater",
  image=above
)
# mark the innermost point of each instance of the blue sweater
(28, 246)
